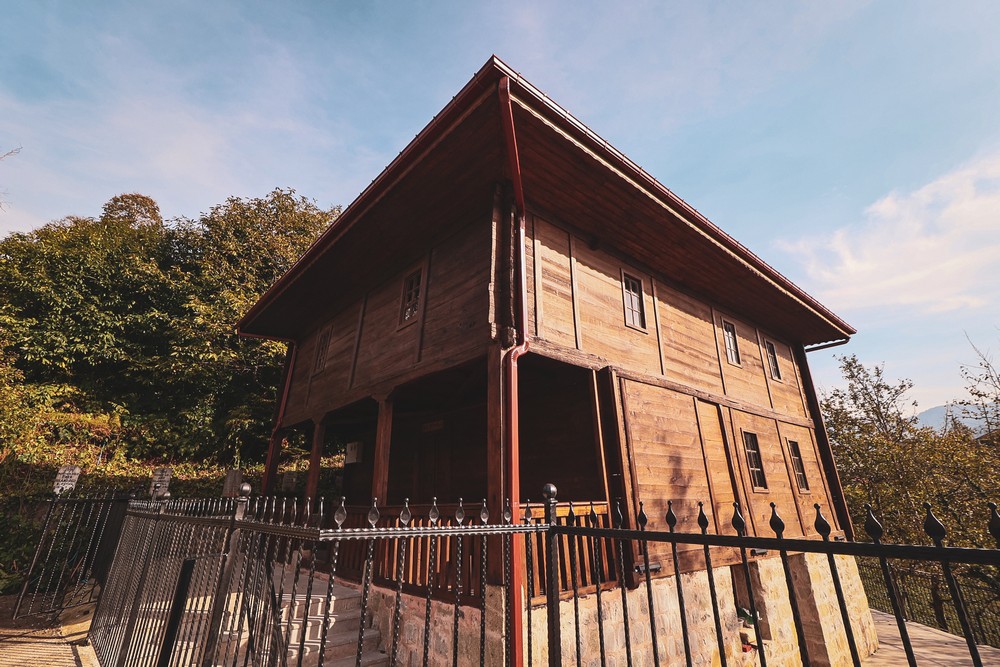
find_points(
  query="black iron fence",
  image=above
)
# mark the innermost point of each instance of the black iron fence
(74, 552)
(924, 597)
(265, 581)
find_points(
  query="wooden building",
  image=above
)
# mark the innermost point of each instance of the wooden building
(512, 301)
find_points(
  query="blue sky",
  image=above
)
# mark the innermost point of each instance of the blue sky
(855, 146)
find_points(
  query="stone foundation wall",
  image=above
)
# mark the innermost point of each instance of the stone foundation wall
(815, 595)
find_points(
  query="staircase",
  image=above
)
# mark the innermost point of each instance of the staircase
(342, 636)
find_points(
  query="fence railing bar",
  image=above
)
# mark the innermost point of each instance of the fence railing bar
(740, 524)
(571, 520)
(34, 560)
(778, 526)
(703, 524)
(671, 520)
(597, 568)
(875, 531)
(936, 531)
(824, 529)
(620, 557)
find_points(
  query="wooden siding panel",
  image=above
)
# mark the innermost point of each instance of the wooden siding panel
(665, 445)
(602, 312)
(335, 376)
(745, 381)
(689, 351)
(717, 464)
(786, 393)
(456, 320)
(555, 302)
(779, 485)
(819, 491)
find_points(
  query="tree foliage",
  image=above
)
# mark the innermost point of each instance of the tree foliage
(886, 459)
(129, 318)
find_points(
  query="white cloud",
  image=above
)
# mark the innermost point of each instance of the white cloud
(934, 250)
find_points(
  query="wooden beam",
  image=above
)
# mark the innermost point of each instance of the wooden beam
(315, 458)
(383, 439)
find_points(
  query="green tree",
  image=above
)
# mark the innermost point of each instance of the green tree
(888, 460)
(128, 317)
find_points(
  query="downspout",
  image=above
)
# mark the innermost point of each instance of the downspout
(274, 446)
(513, 448)
(823, 442)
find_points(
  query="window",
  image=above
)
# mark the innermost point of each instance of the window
(321, 349)
(732, 349)
(635, 314)
(797, 467)
(754, 461)
(772, 359)
(410, 303)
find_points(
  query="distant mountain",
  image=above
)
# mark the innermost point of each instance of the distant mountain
(935, 417)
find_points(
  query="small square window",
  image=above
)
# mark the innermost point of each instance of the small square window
(635, 312)
(797, 466)
(410, 303)
(754, 461)
(772, 360)
(732, 347)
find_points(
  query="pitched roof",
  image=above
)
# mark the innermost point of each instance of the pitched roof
(567, 170)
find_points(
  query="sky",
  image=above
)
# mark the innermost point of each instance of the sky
(855, 146)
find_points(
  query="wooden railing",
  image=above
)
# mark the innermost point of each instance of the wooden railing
(592, 561)
(417, 559)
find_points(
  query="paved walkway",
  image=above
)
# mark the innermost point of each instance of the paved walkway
(931, 647)
(32, 642)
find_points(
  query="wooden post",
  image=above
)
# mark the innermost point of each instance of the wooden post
(496, 492)
(383, 438)
(315, 455)
(271, 464)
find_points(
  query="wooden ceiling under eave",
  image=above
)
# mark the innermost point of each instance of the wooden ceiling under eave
(446, 184)
(567, 173)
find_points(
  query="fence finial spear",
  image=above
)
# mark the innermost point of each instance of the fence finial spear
(702, 518)
(571, 515)
(994, 524)
(933, 526)
(484, 514)
(341, 514)
(404, 514)
(739, 523)
(460, 513)
(373, 513)
(435, 513)
(619, 518)
(593, 515)
(641, 518)
(671, 517)
(872, 525)
(508, 513)
(777, 525)
(822, 525)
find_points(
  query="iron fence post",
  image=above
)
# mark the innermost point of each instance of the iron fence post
(551, 577)
(219, 602)
(176, 612)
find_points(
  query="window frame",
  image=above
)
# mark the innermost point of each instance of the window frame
(733, 352)
(626, 278)
(753, 470)
(322, 350)
(798, 471)
(771, 352)
(412, 279)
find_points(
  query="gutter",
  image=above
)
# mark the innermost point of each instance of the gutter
(824, 346)
(513, 448)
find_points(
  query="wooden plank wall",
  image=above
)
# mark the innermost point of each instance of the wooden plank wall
(368, 347)
(684, 446)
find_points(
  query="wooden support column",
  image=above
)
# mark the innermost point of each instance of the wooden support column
(315, 455)
(271, 464)
(383, 438)
(496, 493)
